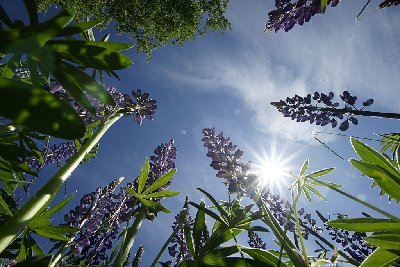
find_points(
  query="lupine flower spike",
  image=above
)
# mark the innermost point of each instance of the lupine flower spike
(289, 13)
(321, 109)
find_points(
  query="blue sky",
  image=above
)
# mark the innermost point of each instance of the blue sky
(227, 81)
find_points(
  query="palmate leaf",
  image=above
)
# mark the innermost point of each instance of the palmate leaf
(366, 224)
(39, 110)
(98, 55)
(219, 236)
(76, 28)
(75, 81)
(382, 177)
(32, 38)
(160, 181)
(224, 214)
(160, 194)
(57, 207)
(55, 232)
(144, 173)
(208, 212)
(367, 154)
(320, 172)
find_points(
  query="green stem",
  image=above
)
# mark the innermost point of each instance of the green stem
(270, 220)
(157, 258)
(10, 230)
(388, 215)
(299, 233)
(129, 239)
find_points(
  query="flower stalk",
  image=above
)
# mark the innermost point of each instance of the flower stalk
(11, 229)
(129, 238)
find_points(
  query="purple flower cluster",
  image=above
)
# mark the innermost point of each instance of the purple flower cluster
(97, 219)
(225, 160)
(140, 106)
(255, 241)
(352, 242)
(100, 213)
(320, 108)
(389, 3)
(53, 154)
(179, 249)
(288, 14)
(281, 208)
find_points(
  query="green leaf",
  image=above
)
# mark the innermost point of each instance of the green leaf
(160, 181)
(388, 182)
(307, 194)
(7, 202)
(199, 226)
(223, 213)
(5, 18)
(208, 212)
(55, 232)
(219, 236)
(31, 7)
(231, 262)
(36, 261)
(131, 191)
(189, 240)
(39, 110)
(50, 234)
(368, 154)
(379, 258)
(304, 168)
(386, 241)
(155, 205)
(161, 194)
(76, 82)
(57, 207)
(263, 256)
(32, 38)
(221, 252)
(324, 4)
(320, 173)
(76, 28)
(316, 192)
(91, 54)
(144, 174)
(366, 224)
(39, 223)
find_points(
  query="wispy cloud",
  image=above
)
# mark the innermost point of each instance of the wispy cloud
(330, 53)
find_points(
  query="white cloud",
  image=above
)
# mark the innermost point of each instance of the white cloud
(330, 53)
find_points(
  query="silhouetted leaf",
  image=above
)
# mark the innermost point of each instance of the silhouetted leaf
(39, 110)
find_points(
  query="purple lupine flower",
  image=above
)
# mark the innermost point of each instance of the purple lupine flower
(320, 109)
(141, 106)
(51, 155)
(226, 160)
(95, 218)
(144, 106)
(388, 3)
(255, 241)
(288, 14)
(352, 242)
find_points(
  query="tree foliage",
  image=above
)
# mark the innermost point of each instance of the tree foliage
(153, 23)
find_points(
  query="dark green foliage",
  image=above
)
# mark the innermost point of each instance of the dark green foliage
(152, 23)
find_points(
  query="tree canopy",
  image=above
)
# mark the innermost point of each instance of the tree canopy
(152, 23)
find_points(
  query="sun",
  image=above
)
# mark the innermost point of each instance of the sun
(272, 169)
